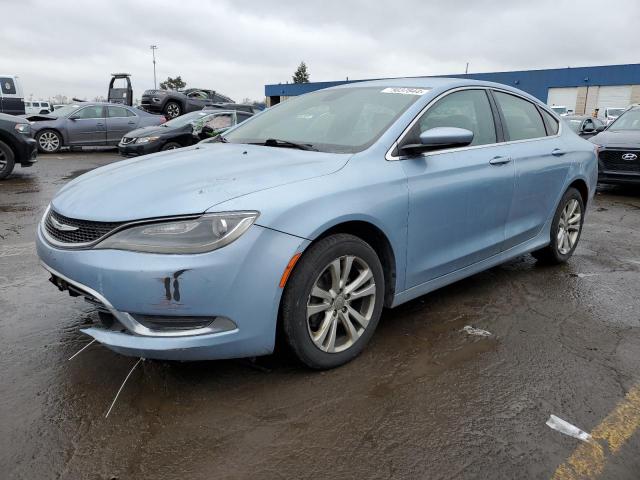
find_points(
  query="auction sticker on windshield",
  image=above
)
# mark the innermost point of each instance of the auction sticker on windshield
(406, 91)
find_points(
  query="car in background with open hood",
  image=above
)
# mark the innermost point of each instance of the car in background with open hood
(88, 124)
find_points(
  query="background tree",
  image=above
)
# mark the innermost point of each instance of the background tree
(301, 75)
(173, 83)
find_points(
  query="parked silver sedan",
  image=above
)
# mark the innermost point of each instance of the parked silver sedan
(88, 124)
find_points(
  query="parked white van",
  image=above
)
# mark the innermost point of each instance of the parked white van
(11, 97)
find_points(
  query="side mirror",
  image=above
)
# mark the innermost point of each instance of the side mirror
(440, 137)
(588, 129)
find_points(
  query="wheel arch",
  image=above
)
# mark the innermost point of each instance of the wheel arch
(580, 185)
(378, 240)
(52, 129)
(10, 142)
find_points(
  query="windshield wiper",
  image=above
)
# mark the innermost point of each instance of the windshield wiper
(276, 142)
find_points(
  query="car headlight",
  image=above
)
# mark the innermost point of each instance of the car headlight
(197, 235)
(23, 128)
(146, 139)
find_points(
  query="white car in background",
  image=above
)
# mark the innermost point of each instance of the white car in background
(37, 107)
(561, 110)
(610, 114)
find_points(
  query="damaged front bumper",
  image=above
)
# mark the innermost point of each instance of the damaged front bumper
(221, 304)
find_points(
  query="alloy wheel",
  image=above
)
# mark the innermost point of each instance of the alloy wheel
(49, 142)
(173, 110)
(569, 226)
(341, 304)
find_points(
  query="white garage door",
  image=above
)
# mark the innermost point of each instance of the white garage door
(614, 97)
(563, 96)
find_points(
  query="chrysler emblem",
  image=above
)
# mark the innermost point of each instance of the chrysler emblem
(62, 227)
(629, 157)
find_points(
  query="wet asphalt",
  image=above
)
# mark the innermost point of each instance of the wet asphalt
(425, 400)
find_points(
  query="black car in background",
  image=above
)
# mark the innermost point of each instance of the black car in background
(180, 132)
(584, 125)
(16, 144)
(173, 103)
(240, 107)
(619, 152)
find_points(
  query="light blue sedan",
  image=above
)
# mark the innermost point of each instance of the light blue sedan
(308, 219)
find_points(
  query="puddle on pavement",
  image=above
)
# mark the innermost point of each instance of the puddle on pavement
(17, 208)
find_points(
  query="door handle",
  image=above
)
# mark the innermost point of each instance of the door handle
(99, 124)
(557, 152)
(499, 160)
(132, 123)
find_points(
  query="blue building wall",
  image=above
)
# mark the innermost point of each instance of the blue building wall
(535, 82)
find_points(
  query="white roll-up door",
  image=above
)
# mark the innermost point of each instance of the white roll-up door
(563, 96)
(619, 97)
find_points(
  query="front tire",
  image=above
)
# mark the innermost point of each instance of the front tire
(333, 301)
(7, 160)
(170, 146)
(172, 110)
(49, 141)
(565, 229)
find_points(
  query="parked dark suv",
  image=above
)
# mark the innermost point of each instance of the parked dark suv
(174, 103)
(16, 144)
(619, 156)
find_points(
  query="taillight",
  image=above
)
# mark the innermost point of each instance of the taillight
(596, 150)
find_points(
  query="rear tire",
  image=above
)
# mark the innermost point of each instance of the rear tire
(566, 229)
(172, 110)
(332, 302)
(170, 146)
(49, 141)
(7, 160)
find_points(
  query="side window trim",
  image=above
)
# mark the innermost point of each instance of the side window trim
(74, 114)
(497, 118)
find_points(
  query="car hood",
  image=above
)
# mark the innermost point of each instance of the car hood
(12, 118)
(187, 181)
(618, 138)
(40, 117)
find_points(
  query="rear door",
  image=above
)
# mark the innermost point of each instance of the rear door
(459, 198)
(87, 126)
(541, 165)
(120, 120)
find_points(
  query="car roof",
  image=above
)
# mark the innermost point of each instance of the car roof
(576, 117)
(437, 84)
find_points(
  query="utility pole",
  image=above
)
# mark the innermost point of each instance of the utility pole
(153, 52)
(466, 69)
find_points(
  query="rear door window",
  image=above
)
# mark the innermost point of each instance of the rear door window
(116, 112)
(550, 122)
(521, 117)
(468, 109)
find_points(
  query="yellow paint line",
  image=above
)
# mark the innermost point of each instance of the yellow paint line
(589, 459)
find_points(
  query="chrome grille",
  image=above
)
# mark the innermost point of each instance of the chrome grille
(84, 232)
(612, 160)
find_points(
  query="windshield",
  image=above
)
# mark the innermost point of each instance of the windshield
(574, 124)
(185, 119)
(630, 120)
(342, 120)
(614, 112)
(65, 110)
(559, 110)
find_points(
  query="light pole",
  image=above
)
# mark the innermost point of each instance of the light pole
(153, 52)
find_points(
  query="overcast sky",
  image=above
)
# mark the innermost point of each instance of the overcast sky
(71, 47)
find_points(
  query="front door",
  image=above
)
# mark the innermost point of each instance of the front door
(87, 126)
(459, 198)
